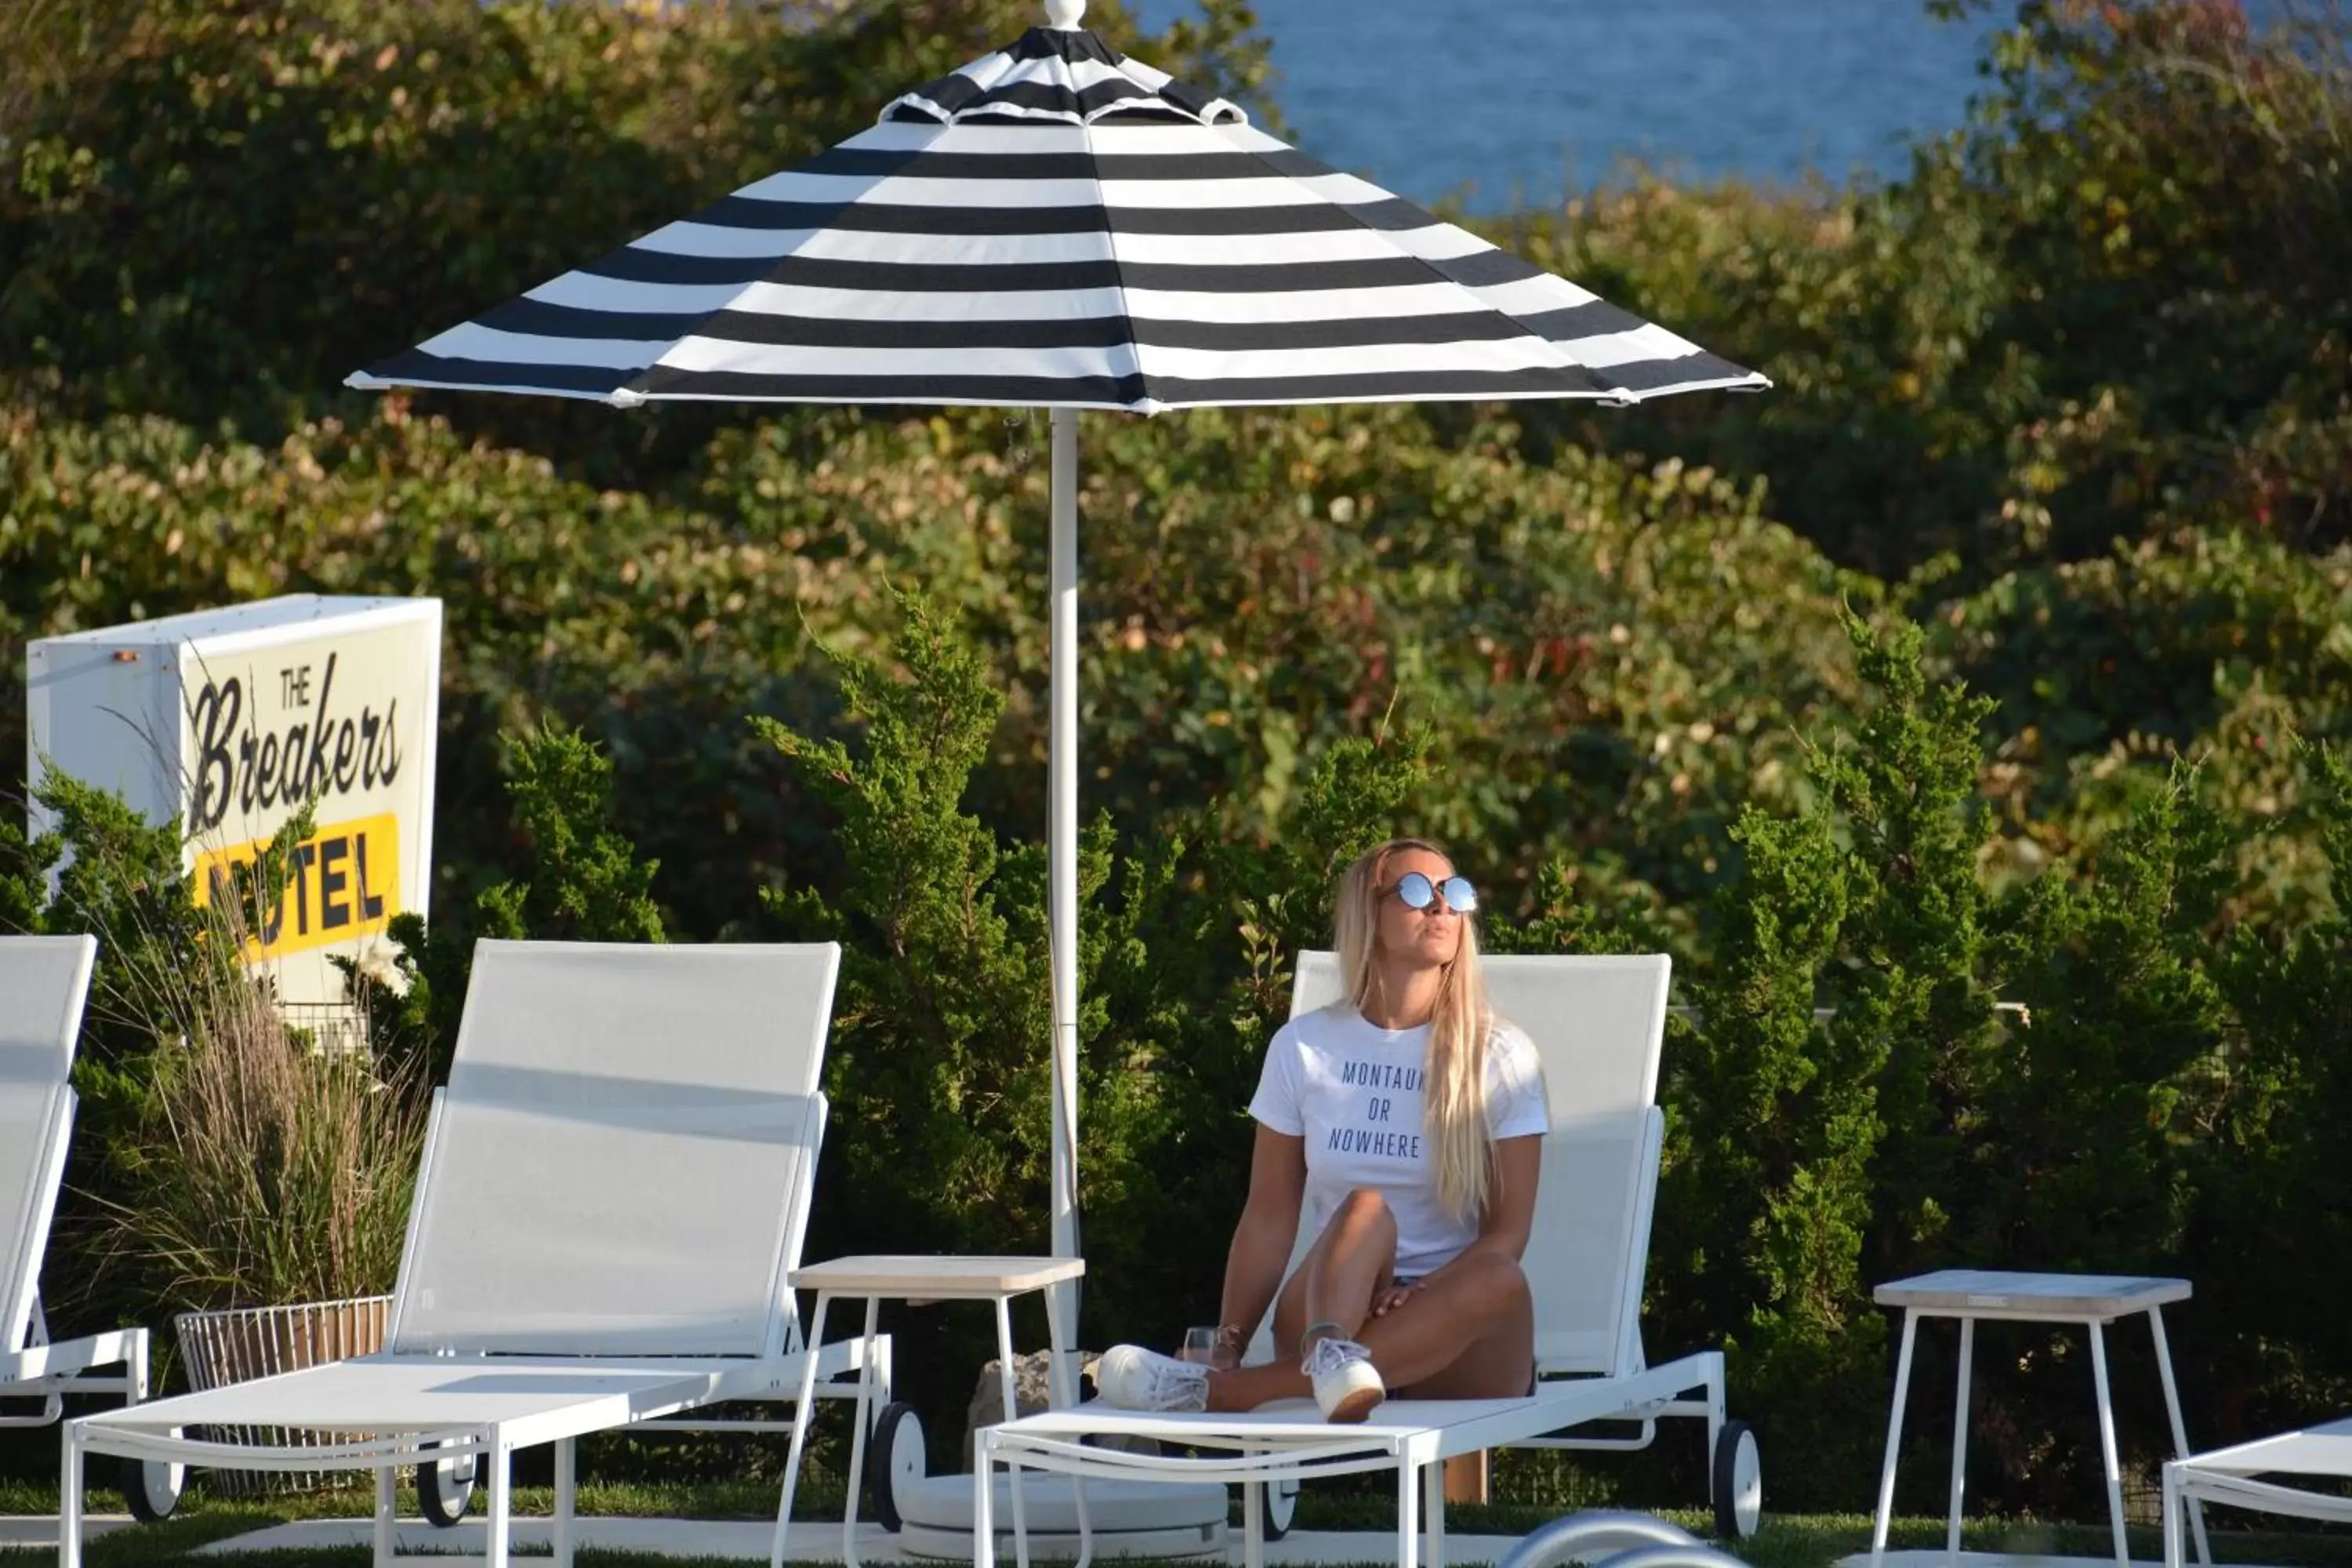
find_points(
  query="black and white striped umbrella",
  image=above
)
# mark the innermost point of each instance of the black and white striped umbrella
(1057, 226)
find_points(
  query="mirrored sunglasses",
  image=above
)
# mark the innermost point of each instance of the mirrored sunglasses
(1416, 891)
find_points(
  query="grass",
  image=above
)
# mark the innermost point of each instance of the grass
(1808, 1541)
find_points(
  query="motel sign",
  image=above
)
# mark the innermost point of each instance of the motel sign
(229, 721)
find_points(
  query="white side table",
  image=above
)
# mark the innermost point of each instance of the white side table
(2094, 1301)
(920, 1280)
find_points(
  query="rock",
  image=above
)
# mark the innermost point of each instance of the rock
(1030, 1394)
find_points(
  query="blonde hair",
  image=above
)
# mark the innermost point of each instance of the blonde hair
(1454, 1078)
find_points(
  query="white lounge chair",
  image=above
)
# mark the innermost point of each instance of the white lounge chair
(2320, 1453)
(614, 1184)
(44, 984)
(1598, 1023)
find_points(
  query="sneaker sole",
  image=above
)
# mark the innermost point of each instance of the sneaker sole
(1355, 1405)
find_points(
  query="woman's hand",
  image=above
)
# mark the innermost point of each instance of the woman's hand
(1389, 1299)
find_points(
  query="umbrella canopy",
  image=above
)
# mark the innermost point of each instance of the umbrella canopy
(1058, 226)
(1055, 224)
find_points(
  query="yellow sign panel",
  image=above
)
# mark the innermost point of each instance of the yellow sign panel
(342, 882)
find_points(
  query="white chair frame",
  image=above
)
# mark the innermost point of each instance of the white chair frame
(1288, 1442)
(420, 1406)
(50, 980)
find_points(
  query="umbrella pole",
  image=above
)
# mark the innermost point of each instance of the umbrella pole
(1062, 846)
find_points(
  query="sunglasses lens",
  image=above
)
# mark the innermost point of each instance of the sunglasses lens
(1415, 891)
(1460, 896)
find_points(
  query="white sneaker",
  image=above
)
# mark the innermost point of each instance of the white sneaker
(1132, 1378)
(1348, 1386)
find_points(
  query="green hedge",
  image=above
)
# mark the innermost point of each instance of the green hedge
(2072, 396)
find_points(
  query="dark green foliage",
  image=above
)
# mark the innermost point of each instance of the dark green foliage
(121, 882)
(24, 866)
(1912, 1015)
(937, 1063)
(939, 1048)
(2270, 1193)
(1763, 1209)
(2085, 1126)
(2109, 1069)
(2072, 394)
(583, 883)
(938, 1058)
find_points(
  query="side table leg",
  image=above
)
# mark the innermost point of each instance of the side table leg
(1959, 1442)
(387, 1519)
(983, 1498)
(1408, 1510)
(860, 1417)
(803, 1410)
(2180, 1432)
(1893, 1439)
(1433, 1507)
(497, 1492)
(2172, 1504)
(69, 1501)
(567, 1502)
(1253, 1494)
(1013, 1413)
(2107, 1445)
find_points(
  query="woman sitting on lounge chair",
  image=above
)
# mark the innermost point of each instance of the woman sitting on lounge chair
(1411, 1120)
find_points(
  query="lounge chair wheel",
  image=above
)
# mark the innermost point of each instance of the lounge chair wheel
(444, 1489)
(1739, 1490)
(893, 1455)
(1281, 1506)
(150, 1489)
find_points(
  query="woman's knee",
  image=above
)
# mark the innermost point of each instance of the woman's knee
(1496, 1285)
(1364, 1209)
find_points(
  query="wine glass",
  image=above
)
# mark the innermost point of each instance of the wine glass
(1206, 1347)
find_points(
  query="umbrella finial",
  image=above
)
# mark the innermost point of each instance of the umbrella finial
(1064, 15)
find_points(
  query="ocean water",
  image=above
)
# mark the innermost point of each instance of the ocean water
(1506, 102)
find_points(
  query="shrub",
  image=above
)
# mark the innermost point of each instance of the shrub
(2269, 1193)
(265, 1172)
(220, 1159)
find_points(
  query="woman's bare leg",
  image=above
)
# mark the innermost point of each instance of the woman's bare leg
(1468, 1334)
(1334, 1284)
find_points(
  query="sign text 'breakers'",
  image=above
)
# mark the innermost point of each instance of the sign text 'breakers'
(319, 756)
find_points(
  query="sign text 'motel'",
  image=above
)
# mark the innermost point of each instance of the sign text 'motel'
(340, 883)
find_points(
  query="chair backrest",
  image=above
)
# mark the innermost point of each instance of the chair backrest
(44, 984)
(1599, 1024)
(623, 1159)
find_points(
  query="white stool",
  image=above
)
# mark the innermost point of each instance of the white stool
(920, 1279)
(2094, 1301)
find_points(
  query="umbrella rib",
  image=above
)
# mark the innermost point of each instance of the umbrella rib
(1150, 404)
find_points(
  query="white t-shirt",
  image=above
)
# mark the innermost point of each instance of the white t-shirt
(1353, 1093)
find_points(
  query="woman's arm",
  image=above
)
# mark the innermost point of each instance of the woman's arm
(1510, 1214)
(1263, 1239)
